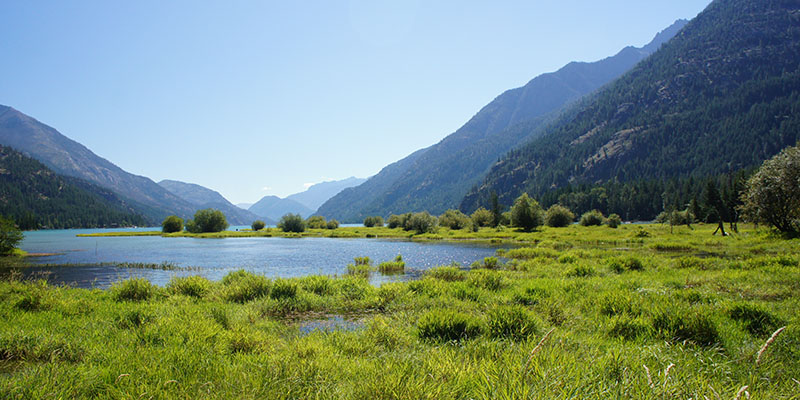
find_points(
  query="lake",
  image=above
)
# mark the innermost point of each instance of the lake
(92, 259)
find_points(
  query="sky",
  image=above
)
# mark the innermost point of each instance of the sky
(255, 98)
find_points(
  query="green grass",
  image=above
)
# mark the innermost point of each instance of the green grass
(621, 307)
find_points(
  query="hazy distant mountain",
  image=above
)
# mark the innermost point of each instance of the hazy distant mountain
(274, 207)
(67, 157)
(36, 197)
(244, 206)
(722, 96)
(318, 194)
(439, 177)
(202, 197)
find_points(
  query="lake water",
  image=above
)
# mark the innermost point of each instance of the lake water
(92, 259)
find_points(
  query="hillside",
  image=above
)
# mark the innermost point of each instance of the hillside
(319, 193)
(67, 157)
(722, 96)
(440, 177)
(201, 197)
(274, 207)
(36, 197)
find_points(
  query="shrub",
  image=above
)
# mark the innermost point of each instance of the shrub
(613, 221)
(193, 286)
(772, 194)
(258, 225)
(592, 218)
(207, 220)
(482, 217)
(332, 224)
(447, 273)
(172, 224)
(526, 213)
(455, 219)
(447, 326)
(421, 222)
(756, 320)
(398, 221)
(283, 289)
(10, 236)
(512, 322)
(292, 223)
(134, 289)
(375, 221)
(558, 216)
(316, 222)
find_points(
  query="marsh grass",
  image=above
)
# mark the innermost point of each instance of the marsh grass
(705, 322)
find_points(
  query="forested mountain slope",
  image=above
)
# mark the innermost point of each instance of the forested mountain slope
(723, 95)
(202, 197)
(36, 197)
(68, 157)
(440, 176)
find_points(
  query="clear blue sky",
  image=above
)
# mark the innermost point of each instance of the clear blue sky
(261, 97)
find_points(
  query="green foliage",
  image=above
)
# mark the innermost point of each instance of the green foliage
(773, 192)
(172, 224)
(592, 218)
(455, 219)
(613, 221)
(392, 267)
(332, 224)
(448, 326)
(316, 222)
(283, 289)
(207, 220)
(398, 221)
(558, 216)
(242, 286)
(193, 286)
(757, 320)
(620, 265)
(512, 322)
(373, 221)
(292, 223)
(482, 217)
(10, 236)
(679, 323)
(630, 328)
(421, 222)
(258, 225)
(447, 273)
(526, 213)
(134, 289)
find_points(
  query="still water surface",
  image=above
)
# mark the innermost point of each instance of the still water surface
(213, 258)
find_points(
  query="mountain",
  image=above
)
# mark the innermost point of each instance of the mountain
(36, 197)
(351, 205)
(438, 178)
(67, 157)
(319, 193)
(274, 207)
(244, 206)
(202, 197)
(720, 97)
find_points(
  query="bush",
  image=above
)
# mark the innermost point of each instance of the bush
(526, 213)
(448, 325)
(512, 322)
(10, 236)
(558, 216)
(592, 218)
(258, 225)
(194, 286)
(316, 222)
(455, 219)
(332, 224)
(207, 220)
(482, 217)
(421, 222)
(292, 223)
(772, 194)
(134, 289)
(172, 224)
(375, 221)
(613, 221)
(398, 221)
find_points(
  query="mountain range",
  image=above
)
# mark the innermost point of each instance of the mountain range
(720, 97)
(437, 178)
(202, 197)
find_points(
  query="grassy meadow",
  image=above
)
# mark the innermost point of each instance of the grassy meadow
(579, 312)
